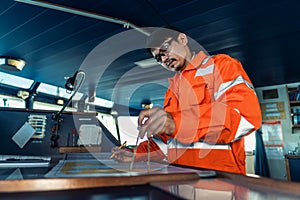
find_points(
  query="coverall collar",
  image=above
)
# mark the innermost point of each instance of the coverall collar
(196, 61)
(194, 64)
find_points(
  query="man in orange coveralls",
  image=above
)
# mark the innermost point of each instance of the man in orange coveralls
(209, 106)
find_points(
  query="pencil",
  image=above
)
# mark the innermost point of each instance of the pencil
(120, 147)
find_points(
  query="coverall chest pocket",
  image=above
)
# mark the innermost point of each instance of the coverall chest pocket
(170, 103)
(193, 95)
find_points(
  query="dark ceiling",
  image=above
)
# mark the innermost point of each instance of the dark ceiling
(264, 35)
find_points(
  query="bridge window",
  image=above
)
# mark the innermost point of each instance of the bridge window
(48, 106)
(11, 102)
(15, 81)
(53, 90)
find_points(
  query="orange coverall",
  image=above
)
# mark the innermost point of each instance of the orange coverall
(213, 104)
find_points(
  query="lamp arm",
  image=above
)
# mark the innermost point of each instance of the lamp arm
(57, 115)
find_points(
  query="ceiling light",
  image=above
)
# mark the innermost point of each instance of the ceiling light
(150, 62)
(12, 64)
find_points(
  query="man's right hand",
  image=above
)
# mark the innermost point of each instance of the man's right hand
(155, 121)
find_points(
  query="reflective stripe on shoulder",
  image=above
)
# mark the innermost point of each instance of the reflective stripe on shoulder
(196, 145)
(205, 60)
(227, 85)
(205, 71)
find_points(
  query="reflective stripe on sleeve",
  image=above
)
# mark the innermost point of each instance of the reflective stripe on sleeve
(244, 128)
(196, 145)
(226, 86)
(163, 147)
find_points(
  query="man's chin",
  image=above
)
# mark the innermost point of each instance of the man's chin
(172, 69)
(176, 68)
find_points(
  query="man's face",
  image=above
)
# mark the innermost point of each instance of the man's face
(171, 55)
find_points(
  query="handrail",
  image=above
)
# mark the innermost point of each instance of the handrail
(126, 24)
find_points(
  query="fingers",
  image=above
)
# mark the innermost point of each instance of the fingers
(155, 121)
(147, 118)
(122, 155)
(152, 126)
(144, 114)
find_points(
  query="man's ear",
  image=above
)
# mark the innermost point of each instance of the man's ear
(182, 39)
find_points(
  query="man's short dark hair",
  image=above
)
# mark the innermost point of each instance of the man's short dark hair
(157, 37)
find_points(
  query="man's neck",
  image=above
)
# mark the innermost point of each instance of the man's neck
(189, 57)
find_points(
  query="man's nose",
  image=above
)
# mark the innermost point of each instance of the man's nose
(165, 57)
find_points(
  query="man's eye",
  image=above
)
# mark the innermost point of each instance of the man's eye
(165, 46)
